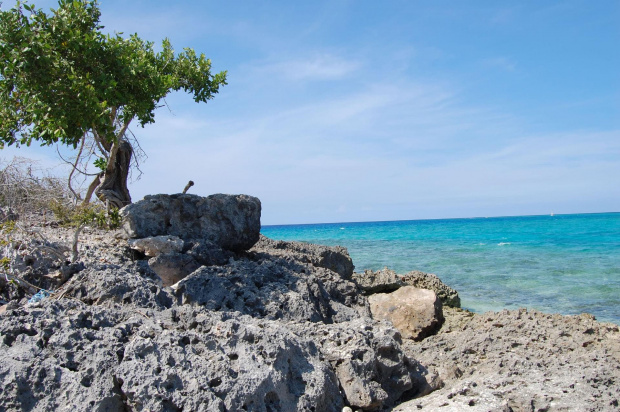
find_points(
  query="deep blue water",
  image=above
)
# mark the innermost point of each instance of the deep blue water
(568, 264)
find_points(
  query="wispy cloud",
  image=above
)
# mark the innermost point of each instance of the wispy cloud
(316, 67)
(502, 63)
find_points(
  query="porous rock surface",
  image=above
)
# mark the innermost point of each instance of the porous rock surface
(66, 355)
(334, 258)
(520, 360)
(232, 222)
(263, 330)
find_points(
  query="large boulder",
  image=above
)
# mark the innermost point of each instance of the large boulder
(416, 313)
(232, 222)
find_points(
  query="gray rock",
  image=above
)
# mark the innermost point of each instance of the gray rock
(207, 253)
(447, 295)
(201, 360)
(112, 339)
(384, 280)
(230, 221)
(63, 354)
(173, 267)
(66, 354)
(520, 360)
(334, 258)
(273, 287)
(134, 285)
(157, 245)
(416, 313)
(368, 361)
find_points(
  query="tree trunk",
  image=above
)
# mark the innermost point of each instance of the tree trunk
(113, 188)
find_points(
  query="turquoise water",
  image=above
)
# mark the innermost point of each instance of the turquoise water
(565, 263)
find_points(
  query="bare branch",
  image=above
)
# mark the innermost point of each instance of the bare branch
(82, 171)
(77, 159)
(187, 186)
(76, 235)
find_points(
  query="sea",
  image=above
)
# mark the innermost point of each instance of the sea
(568, 264)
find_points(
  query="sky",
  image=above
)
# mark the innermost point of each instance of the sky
(340, 111)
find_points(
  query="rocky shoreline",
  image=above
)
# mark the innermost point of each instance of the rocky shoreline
(188, 308)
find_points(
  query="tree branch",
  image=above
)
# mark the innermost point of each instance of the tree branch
(74, 168)
(121, 134)
(91, 189)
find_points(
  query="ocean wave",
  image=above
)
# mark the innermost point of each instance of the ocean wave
(503, 243)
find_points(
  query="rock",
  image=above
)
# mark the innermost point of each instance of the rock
(447, 295)
(207, 253)
(133, 285)
(157, 245)
(384, 280)
(520, 360)
(334, 258)
(232, 222)
(65, 354)
(173, 267)
(368, 361)
(203, 360)
(416, 313)
(272, 287)
(279, 327)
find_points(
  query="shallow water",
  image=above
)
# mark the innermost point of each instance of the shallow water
(565, 263)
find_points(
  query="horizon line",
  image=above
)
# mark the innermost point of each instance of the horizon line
(437, 218)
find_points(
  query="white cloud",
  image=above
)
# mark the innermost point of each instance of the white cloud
(501, 62)
(316, 67)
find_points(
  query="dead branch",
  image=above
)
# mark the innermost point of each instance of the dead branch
(187, 186)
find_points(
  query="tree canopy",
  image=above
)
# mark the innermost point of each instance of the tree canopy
(63, 80)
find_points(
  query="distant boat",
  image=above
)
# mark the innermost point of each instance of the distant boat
(552, 214)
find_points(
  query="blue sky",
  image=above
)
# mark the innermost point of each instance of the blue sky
(358, 110)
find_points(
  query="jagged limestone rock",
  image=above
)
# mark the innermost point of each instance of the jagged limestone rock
(230, 221)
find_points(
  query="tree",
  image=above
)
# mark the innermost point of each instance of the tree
(64, 81)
